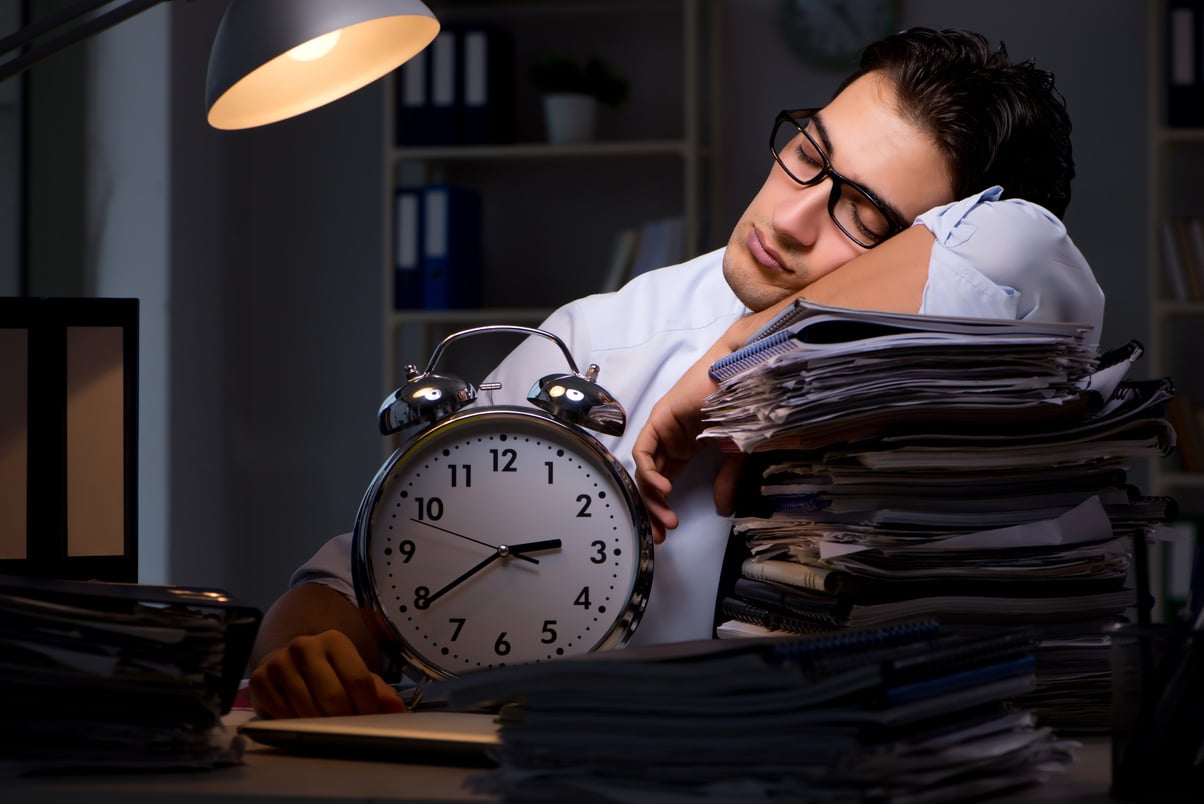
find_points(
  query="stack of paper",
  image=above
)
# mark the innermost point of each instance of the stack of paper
(118, 675)
(970, 470)
(897, 713)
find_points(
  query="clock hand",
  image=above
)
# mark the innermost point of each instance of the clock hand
(517, 550)
(432, 598)
(502, 551)
(469, 538)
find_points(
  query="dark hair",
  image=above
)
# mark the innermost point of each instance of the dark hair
(996, 122)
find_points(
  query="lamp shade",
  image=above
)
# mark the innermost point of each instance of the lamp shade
(274, 59)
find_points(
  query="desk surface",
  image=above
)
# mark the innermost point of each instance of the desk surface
(270, 775)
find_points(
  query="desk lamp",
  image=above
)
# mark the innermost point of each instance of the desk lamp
(271, 59)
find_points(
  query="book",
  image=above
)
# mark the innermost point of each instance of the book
(1173, 263)
(451, 248)
(137, 675)
(857, 714)
(951, 608)
(487, 85)
(661, 243)
(623, 251)
(408, 247)
(1183, 80)
(427, 94)
(809, 324)
(1189, 257)
(411, 116)
(771, 580)
(443, 97)
(737, 608)
(683, 669)
(1189, 442)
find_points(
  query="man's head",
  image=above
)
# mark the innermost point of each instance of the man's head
(996, 122)
(928, 118)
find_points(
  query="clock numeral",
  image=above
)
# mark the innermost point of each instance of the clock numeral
(406, 548)
(549, 633)
(582, 598)
(431, 509)
(501, 647)
(600, 546)
(585, 501)
(455, 474)
(458, 622)
(549, 464)
(422, 596)
(503, 460)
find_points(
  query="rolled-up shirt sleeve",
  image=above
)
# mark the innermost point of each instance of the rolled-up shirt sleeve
(1007, 259)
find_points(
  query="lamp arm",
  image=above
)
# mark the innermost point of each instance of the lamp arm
(64, 38)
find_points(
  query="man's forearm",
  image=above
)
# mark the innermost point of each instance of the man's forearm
(311, 608)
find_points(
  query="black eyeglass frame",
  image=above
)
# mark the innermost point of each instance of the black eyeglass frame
(793, 117)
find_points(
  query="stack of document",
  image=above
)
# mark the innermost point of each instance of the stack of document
(108, 675)
(975, 471)
(895, 713)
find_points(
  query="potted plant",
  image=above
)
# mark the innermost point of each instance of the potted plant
(572, 91)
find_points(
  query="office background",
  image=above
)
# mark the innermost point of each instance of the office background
(257, 254)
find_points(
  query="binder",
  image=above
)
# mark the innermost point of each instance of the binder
(412, 123)
(451, 248)
(1184, 79)
(443, 97)
(486, 62)
(407, 233)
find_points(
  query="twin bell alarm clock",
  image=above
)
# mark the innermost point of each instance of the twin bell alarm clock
(500, 534)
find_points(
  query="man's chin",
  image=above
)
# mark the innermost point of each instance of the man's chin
(751, 290)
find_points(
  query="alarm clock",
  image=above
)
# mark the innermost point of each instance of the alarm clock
(500, 534)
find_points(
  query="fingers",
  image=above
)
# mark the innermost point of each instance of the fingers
(351, 688)
(661, 517)
(319, 675)
(387, 699)
(654, 487)
(267, 696)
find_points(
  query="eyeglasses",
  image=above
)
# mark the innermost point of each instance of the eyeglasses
(852, 207)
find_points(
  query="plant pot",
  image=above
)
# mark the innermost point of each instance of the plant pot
(569, 117)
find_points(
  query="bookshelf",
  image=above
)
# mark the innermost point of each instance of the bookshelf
(551, 213)
(1175, 173)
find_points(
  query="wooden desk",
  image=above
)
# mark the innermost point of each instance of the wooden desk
(270, 776)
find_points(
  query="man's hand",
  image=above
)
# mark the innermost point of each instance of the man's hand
(669, 439)
(891, 277)
(314, 655)
(319, 675)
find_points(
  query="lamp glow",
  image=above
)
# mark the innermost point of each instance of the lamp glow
(275, 59)
(315, 48)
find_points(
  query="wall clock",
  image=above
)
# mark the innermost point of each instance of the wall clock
(500, 534)
(832, 33)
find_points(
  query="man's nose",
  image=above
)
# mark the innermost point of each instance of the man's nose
(802, 212)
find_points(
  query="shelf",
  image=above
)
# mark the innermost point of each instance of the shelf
(543, 8)
(552, 240)
(1182, 479)
(538, 150)
(1177, 136)
(1163, 307)
(504, 315)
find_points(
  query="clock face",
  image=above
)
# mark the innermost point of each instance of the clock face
(502, 536)
(832, 33)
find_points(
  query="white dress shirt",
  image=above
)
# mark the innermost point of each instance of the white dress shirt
(998, 259)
